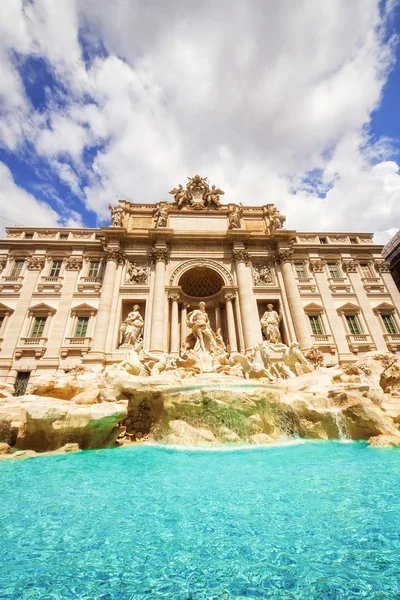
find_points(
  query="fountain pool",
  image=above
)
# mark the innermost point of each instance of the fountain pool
(318, 520)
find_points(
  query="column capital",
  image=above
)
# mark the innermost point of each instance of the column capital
(382, 266)
(184, 305)
(350, 266)
(35, 263)
(317, 265)
(114, 254)
(283, 255)
(174, 297)
(160, 254)
(240, 255)
(73, 263)
(229, 297)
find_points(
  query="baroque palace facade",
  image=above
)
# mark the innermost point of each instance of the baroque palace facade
(66, 294)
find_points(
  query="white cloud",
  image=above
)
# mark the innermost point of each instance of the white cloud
(256, 95)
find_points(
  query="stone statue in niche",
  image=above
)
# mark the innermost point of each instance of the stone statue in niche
(262, 274)
(161, 216)
(270, 325)
(273, 219)
(131, 329)
(199, 323)
(117, 213)
(197, 195)
(235, 216)
(135, 274)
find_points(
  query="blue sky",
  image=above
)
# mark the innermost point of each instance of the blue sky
(291, 104)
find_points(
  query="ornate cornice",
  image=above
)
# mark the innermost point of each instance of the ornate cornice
(382, 266)
(35, 263)
(240, 256)
(283, 255)
(73, 263)
(317, 265)
(350, 266)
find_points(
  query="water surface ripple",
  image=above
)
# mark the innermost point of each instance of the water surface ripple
(313, 521)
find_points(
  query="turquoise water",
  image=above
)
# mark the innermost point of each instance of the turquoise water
(310, 521)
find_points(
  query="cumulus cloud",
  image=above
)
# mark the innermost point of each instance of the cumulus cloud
(271, 100)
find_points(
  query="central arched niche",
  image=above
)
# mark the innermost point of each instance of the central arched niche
(201, 282)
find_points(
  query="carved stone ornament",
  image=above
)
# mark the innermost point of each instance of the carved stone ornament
(235, 216)
(263, 275)
(14, 235)
(161, 215)
(350, 266)
(117, 215)
(338, 238)
(135, 274)
(273, 219)
(197, 195)
(382, 266)
(73, 263)
(229, 297)
(308, 239)
(35, 263)
(47, 234)
(240, 256)
(317, 265)
(283, 255)
(160, 254)
(82, 236)
(114, 254)
(3, 263)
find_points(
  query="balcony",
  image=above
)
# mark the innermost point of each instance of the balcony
(86, 284)
(360, 341)
(306, 284)
(76, 345)
(373, 284)
(339, 284)
(9, 282)
(392, 341)
(50, 284)
(324, 340)
(31, 346)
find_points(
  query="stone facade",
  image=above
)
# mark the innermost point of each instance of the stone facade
(64, 293)
(391, 253)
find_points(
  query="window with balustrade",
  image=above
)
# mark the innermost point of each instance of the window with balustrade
(316, 324)
(389, 323)
(81, 327)
(17, 267)
(353, 324)
(55, 268)
(334, 270)
(38, 326)
(94, 268)
(301, 271)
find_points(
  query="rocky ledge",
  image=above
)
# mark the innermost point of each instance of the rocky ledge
(83, 409)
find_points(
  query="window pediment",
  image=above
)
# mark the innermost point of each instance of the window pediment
(4, 309)
(83, 310)
(349, 308)
(41, 309)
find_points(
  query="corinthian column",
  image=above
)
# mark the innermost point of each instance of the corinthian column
(248, 305)
(231, 323)
(174, 324)
(112, 258)
(283, 257)
(183, 322)
(160, 257)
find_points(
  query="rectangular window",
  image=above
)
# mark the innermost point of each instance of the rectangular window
(81, 326)
(323, 240)
(316, 324)
(17, 268)
(353, 241)
(301, 270)
(334, 271)
(389, 323)
(55, 268)
(63, 236)
(38, 327)
(353, 324)
(365, 270)
(21, 383)
(94, 267)
(29, 236)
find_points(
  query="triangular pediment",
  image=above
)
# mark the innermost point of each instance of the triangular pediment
(349, 307)
(84, 308)
(384, 306)
(42, 307)
(313, 307)
(5, 309)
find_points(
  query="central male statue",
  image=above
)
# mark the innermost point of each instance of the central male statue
(270, 325)
(199, 323)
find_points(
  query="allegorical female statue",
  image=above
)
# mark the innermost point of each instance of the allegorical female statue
(270, 325)
(131, 328)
